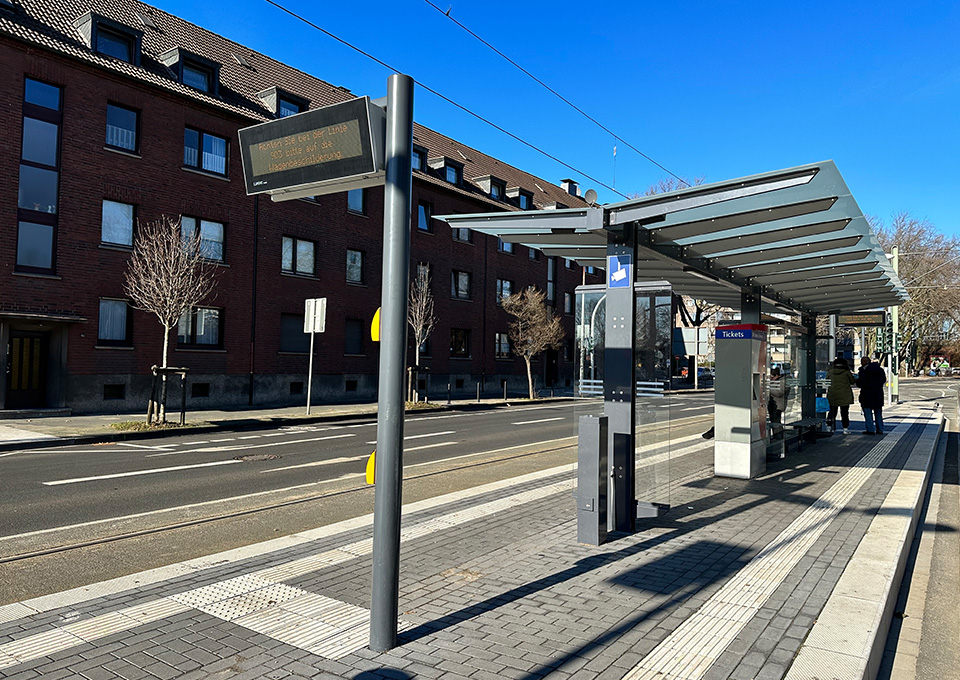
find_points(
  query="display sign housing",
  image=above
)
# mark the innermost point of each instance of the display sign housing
(866, 319)
(327, 150)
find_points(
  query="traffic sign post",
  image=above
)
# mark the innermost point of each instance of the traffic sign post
(314, 321)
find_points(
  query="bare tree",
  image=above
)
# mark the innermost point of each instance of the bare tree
(534, 329)
(167, 275)
(420, 316)
(930, 271)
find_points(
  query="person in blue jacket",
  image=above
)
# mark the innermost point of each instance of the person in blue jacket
(870, 379)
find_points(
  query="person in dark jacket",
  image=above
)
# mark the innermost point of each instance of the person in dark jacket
(870, 379)
(840, 393)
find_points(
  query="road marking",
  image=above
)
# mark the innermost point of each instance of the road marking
(161, 447)
(428, 446)
(76, 480)
(228, 439)
(317, 463)
(247, 447)
(421, 436)
(543, 420)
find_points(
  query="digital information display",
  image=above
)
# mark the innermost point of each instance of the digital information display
(862, 319)
(329, 145)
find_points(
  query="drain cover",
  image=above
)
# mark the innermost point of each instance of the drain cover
(258, 456)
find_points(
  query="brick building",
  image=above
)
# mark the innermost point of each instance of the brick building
(116, 113)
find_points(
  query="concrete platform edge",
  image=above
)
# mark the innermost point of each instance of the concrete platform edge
(823, 644)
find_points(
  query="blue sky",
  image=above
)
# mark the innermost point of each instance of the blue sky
(719, 90)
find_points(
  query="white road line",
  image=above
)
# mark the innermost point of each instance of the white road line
(161, 447)
(228, 439)
(421, 436)
(251, 436)
(318, 463)
(246, 447)
(139, 472)
(428, 446)
(542, 420)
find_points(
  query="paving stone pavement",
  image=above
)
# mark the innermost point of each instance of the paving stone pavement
(729, 585)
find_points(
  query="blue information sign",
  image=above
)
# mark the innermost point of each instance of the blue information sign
(618, 268)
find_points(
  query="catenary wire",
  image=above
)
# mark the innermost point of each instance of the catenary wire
(445, 98)
(559, 96)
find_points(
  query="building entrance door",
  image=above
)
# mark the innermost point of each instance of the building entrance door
(27, 370)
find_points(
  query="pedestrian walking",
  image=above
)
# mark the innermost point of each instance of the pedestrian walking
(870, 379)
(840, 393)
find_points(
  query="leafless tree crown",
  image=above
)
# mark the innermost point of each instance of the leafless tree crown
(420, 314)
(167, 274)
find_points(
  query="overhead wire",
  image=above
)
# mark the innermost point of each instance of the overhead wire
(444, 97)
(559, 96)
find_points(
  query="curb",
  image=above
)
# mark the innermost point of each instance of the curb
(245, 425)
(870, 584)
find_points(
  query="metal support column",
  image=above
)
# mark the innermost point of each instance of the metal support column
(393, 345)
(749, 306)
(832, 342)
(808, 395)
(894, 376)
(592, 480)
(619, 379)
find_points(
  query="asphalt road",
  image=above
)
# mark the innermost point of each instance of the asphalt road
(308, 475)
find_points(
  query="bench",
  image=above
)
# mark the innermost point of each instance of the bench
(805, 427)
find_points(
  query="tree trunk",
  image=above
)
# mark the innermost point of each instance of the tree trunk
(529, 377)
(162, 410)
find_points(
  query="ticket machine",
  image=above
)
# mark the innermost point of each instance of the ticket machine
(740, 409)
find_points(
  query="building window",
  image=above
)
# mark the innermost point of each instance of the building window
(116, 225)
(211, 236)
(452, 174)
(568, 263)
(568, 303)
(552, 280)
(504, 289)
(460, 343)
(425, 348)
(114, 328)
(353, 336)
(533, 253)
(502, 348)
(196, 76)
(298, 256)
(460, 285)
(462, 234)
(115, 44)
(122, 125)
(424, 212)
(355, 201)
(590, 269)
(497, 190)
(354, 266)
(418, 159)
(38, 189)
(292, 337)
(504, 247)
(524, 200)
(286, 107)
(204, 151)
(201, 327)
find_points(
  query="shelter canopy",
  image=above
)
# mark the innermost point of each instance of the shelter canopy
(796, 238)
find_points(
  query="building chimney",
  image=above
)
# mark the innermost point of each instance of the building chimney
(570, 187)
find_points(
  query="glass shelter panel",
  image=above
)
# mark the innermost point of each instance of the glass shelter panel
(653, 327)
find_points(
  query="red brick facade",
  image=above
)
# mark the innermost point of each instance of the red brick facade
(252, 292)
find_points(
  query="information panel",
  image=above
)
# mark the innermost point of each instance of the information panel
(868, 319)
(330, 146)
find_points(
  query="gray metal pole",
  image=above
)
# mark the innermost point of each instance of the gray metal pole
(310, 372)
(397, 199)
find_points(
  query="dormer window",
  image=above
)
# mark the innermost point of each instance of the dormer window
(419, 159)
(282, 103)
(522, 198)
(110, 38)
(195, 76)
(449, 169)
(193, 70)
(495, 187)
